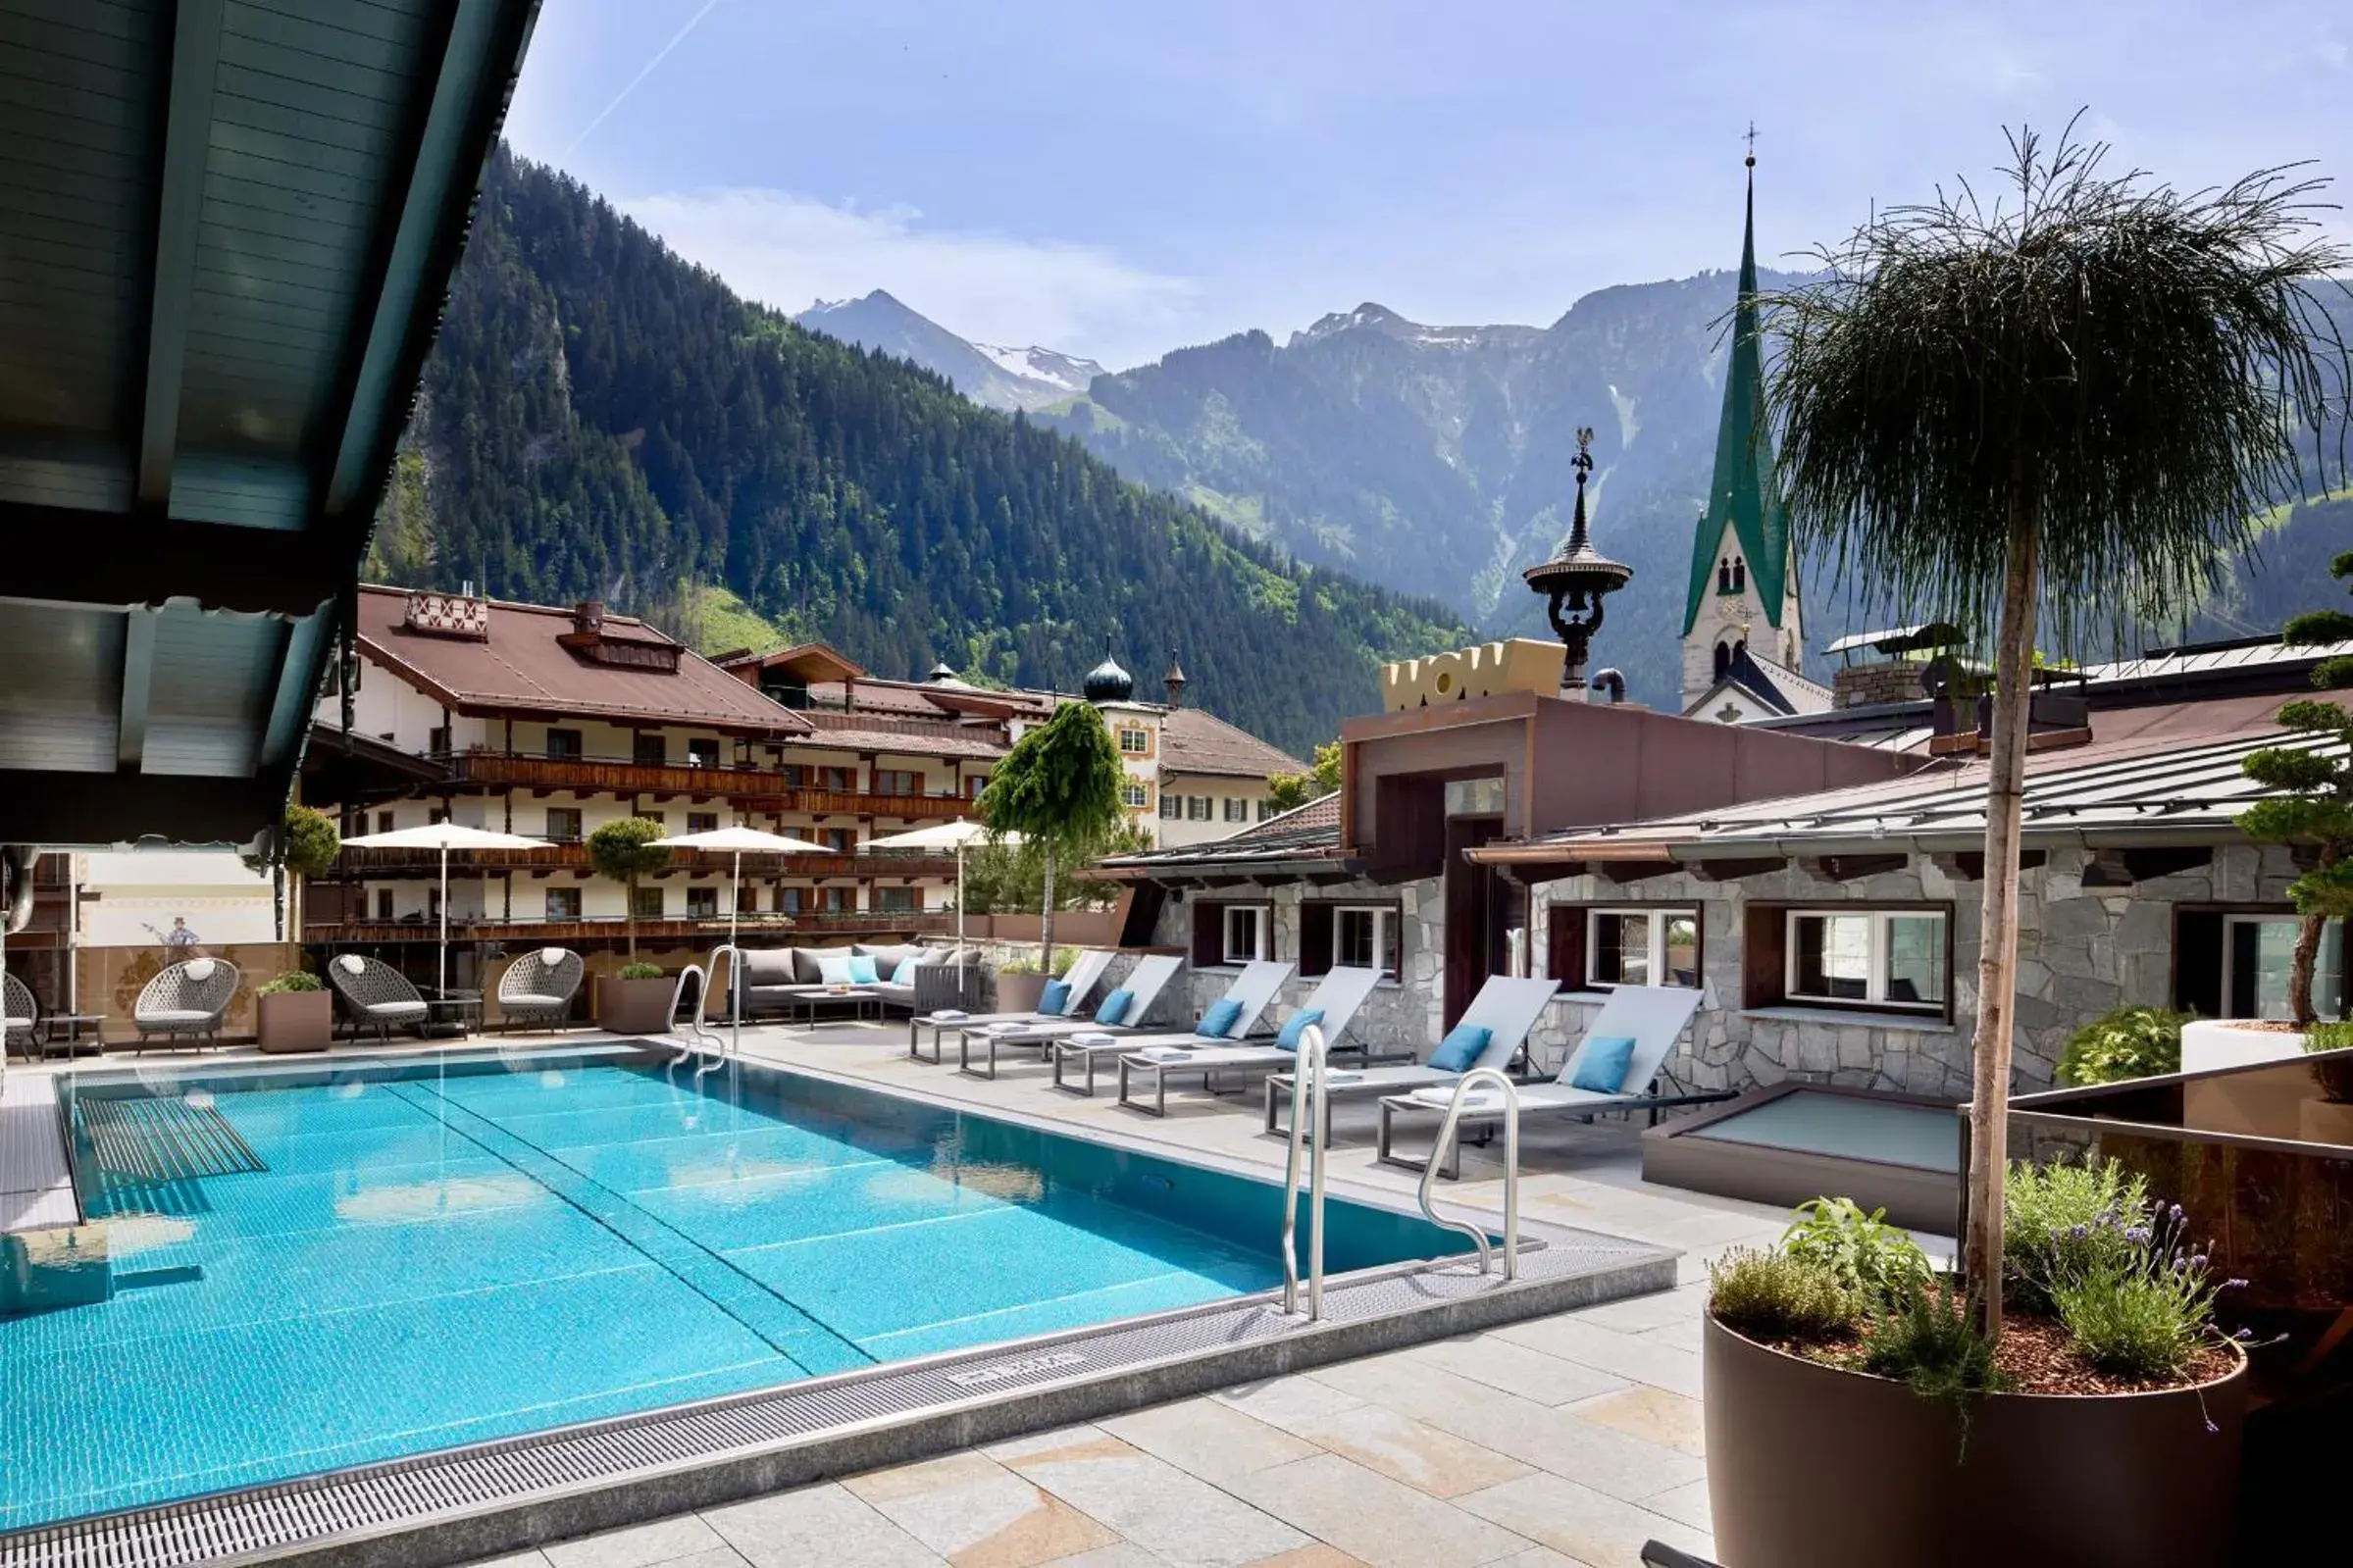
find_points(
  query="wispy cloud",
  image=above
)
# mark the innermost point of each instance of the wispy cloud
(638, 80)
(789, 250)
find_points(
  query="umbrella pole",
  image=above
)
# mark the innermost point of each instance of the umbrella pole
(441, 972)
(959, 896)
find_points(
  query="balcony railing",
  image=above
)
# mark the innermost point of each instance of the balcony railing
(763, 925)
(574, 856)
(763, 788)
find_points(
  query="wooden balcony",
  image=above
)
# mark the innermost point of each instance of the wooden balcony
(754, 788)
(761, 928)
(426, 864)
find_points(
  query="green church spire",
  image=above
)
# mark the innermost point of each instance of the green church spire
(1742, 493)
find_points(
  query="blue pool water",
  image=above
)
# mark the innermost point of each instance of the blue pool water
(438, 1258)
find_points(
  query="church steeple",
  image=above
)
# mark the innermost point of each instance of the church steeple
(1741, 587)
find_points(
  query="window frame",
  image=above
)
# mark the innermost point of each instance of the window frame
(1138, 734)
(898, 781)
(570, 897)
(1237, 808)
(1135, 794)
(386, 906)
(1874, 998)
(1387, 918)
(642, 895)
(1262, 922)
(702, 822)
(649, 748)
(565, 744)
(2236, 918)
(576, 832)
(696, 898)
(1199, 808)
(1172, 807)
(1656, 917)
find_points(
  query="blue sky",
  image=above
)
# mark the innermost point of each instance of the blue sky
(1120, 180)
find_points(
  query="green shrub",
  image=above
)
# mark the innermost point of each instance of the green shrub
(2123, 1042)
(1772, 1296)
(1018, 966)
(2061, 1221)
(2335, 1076)
(2145, 1310)
(2328, 1037)
(638, 971)
(1927, 1338)
(1866, 1255)
(293, 979)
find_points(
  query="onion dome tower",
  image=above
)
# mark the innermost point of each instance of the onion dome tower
(1173, 683)
(1107, 682)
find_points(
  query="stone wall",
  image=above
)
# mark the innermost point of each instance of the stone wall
(1394, 1017)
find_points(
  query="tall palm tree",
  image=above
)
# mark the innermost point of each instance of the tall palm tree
(2066, 403)
(1059, 788)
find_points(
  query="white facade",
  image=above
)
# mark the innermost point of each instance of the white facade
(166, 898)
(1733, 618)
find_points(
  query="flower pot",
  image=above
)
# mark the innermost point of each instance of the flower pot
(634, 1006)
(295, 1020)
(1811, 1466)
(1018, 994)
(2208, 1044)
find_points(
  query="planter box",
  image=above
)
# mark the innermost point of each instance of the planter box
(1809, 1466)
(295, 1020)
(1019, 993)
(634, 1006)
(2208, 1044)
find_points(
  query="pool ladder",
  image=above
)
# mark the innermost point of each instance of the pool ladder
(1464, 1088)
(1310, 1097)
(702, 1033)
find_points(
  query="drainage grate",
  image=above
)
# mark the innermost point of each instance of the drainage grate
(162, 1138)
(362, 1512)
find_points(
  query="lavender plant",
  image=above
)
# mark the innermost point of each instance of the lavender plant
(2145, 1309)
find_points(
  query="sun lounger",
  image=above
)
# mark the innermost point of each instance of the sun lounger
(1143, 986)
(1654, 1017)
(1337, 996)
(1252, 991)
(1085, 971)
(1507, 1007)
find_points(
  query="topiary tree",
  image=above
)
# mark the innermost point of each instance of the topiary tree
(1059, 788)
(2070, 402)
(305, 845)
(2314, 809)
(625, 851)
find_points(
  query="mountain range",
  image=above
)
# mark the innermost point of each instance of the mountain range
(1002, 378)
(599, 418)
(1435, 459)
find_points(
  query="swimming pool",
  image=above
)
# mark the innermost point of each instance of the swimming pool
(427, 1256)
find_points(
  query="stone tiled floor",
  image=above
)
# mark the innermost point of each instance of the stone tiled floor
(1564, 1440)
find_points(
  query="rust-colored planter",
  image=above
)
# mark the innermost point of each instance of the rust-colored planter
(1811, 1466)
(1019, 993)
(634, 1006)
(295, 1020)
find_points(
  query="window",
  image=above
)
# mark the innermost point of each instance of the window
(1265, 809)
(1245, 933)
(646, 903)
(649, 749)
(436, 740)
(896, 900)
(1365, 937)
(383, 904)
(789, 901)
(834, 901)
(563, 825)
(1134, 796)
(702, 822)
(836, 778)
(898, 781)
(702, 753)
(1172, 807)
(1640, 946)
(1135, 742)
(656, 818)
(563, 903)
(438, 814)
(563, 743)
(702, 903)
(383, 822)
(1474, 798)
(1882, 958)
(843, 840)
(975, 785)
(1196, 808)
(796, 776)
(2257, 952)
(1236, 809)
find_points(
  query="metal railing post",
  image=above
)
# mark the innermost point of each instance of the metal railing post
(1308, 1099)
(1446, 1138)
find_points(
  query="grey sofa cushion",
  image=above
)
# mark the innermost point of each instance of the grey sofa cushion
(805, 964)
(768, 966)
(887, 959)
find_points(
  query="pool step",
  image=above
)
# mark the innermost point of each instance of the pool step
(162, 1138)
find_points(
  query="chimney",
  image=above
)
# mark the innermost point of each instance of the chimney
(1173, 683)
(587, 616)
(447, 614)
(1857, 685)
(1901, 671)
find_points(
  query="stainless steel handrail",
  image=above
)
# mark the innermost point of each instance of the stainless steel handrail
(1446, 1138)
(734, 992)
(1310, 1096)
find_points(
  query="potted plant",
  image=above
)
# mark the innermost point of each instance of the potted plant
(294, 1013)
(2329, 1117)
(627, 851)
(2103, 1427)
(633, 1000)
(1020, 981)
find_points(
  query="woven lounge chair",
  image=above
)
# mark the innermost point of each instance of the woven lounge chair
(188, 998)
(538, 987)
(1337, 996)
(1654, 1017)
(376, 995)
(24, 1016)
(1252, 994)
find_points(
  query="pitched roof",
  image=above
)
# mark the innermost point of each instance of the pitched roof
(1742, 496)
(1193, 741)
(1303, 837)
(1769, 685)
(520, 667)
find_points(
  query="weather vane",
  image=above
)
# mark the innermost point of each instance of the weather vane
(1573, 582)
(1751, 139)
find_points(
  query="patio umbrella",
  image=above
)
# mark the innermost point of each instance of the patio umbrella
(741, 841)
(958, 836)
(445, 837)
